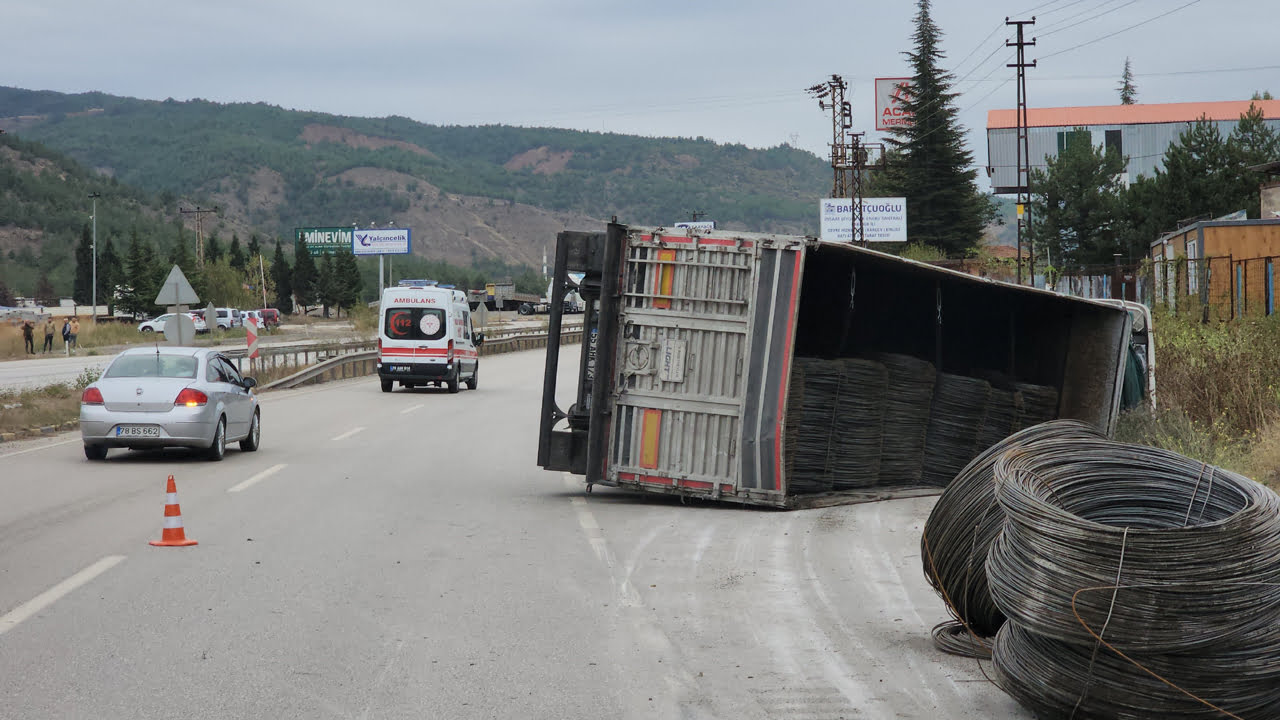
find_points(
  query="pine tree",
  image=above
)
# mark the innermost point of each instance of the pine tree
(235, 256)
(1196, 178)
(304, 276)
(254, 246)
(1128, 91)
(44, 293)
(929, 164)
(110, 274)
(282, 276)
(327, 284)
(347, 275)
(82, 287)
(1252, 142)
(212, 249)
(138, 292)
(1077, 206)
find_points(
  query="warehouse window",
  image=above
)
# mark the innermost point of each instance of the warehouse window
(1067, 138)
(1114, 141)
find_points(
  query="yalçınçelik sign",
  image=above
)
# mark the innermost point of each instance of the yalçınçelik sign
(885, 219)
(324, 240)
(383, 241)
(889, 95)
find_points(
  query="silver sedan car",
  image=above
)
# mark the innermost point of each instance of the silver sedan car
(151, 397)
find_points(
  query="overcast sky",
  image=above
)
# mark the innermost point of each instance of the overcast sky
(728, 71)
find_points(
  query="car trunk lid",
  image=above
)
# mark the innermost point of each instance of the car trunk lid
(131, 394)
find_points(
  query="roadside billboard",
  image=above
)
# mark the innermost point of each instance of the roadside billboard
(383, 241)
(324, 240)
(889, 95)
(885, 219)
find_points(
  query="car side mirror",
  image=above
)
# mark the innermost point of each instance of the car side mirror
(478, 338)
(248, 383)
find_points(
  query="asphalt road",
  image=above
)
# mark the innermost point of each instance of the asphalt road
(402, 556)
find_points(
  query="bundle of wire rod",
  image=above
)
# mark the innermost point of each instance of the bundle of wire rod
(1093, 513)
(1001, 417)
(953, 638)
(906, 418)
(966, 520)
(1039, 404)
(815, 385)
(1076, 680)
(956, 415)
(857, 425)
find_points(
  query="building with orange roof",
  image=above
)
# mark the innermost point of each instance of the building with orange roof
(1141, 132)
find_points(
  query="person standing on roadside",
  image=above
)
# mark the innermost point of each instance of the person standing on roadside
(73, 331)
(28, 340)
(48, 336)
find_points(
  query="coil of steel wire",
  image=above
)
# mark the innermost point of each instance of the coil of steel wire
(1000, 420)
(1039, 404)
(906, 417)
(1194, 549)
(809, 420)
(857, 425)
(966, 520)
(1070, 680)
(956, 416)
(953, 638)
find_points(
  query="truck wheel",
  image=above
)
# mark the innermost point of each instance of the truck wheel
(526, 309)
(474, 380)
(386, 385)
(453, 382)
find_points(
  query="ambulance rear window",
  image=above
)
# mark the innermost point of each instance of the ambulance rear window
(414, 324)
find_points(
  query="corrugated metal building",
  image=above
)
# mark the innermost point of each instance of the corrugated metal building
(1141, 132)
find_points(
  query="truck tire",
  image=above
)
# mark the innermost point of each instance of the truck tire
(474, 380)
(526, 309)
(453, 382)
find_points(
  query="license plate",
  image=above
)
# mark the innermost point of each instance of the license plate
(401, 368)
(137, 431)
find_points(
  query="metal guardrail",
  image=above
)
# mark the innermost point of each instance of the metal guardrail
(364, 362)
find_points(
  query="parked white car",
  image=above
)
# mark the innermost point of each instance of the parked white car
(156, 324)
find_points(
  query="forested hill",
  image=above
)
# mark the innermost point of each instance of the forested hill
(470, 193)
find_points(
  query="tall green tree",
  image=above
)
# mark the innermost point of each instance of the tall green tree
(282, 275)
(138, 293)
(304, 276)
(929, 164)
(212, 248)
(1077, 206)
(347, 277)
(1252, 142)
(1128, 91)
(235, 255)
(1197, 175)
(45, 294)
(327, 290)
(110, 274)
(254, 246)
(82, 288)
(6, 295)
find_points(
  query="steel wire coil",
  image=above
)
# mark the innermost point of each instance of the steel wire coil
(1001, 419)
(956, 415)
(1039, 404)
(908, 397)
(1093, 513)
(835, 424)
(1078, 680)
(953, 638)
(811, 415)
(966, 520)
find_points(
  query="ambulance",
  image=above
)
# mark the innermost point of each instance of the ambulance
(425, 337)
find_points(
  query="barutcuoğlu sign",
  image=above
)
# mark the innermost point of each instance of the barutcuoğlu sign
(885, 219)
(324, 240)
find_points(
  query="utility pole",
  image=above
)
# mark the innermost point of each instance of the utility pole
(199, 212)
(1024, 149)
(830, 96)
(94, 196)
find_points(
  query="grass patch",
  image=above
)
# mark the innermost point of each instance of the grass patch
(50, 405)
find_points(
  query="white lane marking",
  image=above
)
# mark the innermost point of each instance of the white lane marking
(24, 611)
(347, 434)
(410, 409)
(38, 449)
(260, 476)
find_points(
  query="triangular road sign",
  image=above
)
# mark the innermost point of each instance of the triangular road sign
(177, 290)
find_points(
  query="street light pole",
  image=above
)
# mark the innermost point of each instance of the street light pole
(94, 196)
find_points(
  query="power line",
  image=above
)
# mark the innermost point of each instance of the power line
(1117, 32)
(1050, 12)
(1088, 19)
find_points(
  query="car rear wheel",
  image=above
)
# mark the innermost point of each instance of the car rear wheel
(95, 452)
(386, 385)
(147, 329)
(250, 442)
(474, 380)
(218, 448)
(453, 381)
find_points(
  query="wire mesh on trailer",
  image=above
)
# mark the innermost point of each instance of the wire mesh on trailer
(909, 393)
(956, 416)
(835, 424)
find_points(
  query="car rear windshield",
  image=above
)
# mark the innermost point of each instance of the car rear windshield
(414, 323)
(158, 365)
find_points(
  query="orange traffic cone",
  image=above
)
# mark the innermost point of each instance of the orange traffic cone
(173, 534)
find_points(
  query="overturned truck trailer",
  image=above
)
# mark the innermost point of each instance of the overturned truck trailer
(788, 372)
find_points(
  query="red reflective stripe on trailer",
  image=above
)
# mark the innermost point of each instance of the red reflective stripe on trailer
(673, 482)
(786, 376)
(721, 242)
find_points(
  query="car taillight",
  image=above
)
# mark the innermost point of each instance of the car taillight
(91, 396)
(450, 357)
(379, 346)
(191, 398)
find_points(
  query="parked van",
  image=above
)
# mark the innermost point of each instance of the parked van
(227, 318)
(270, 317)
(425, 337)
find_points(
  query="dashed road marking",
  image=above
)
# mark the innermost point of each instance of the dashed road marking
(10, 620)
(347, 434)
(260, 476)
